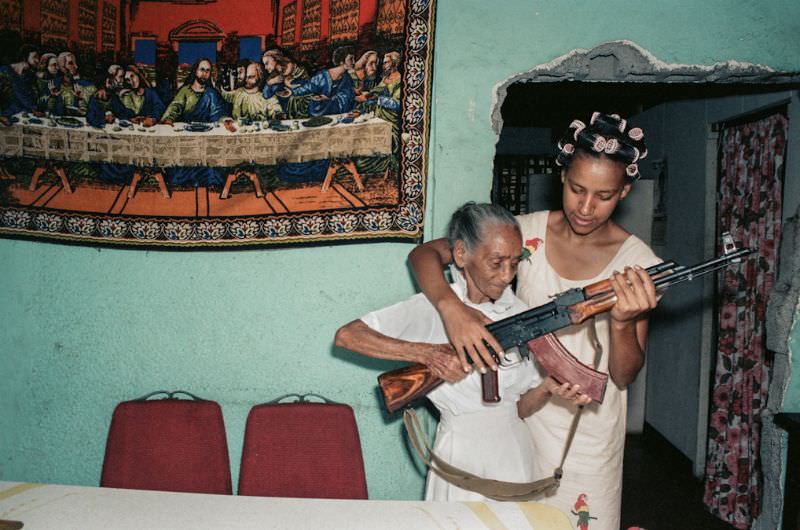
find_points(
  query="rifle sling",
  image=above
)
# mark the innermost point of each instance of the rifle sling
(493, 489)
(498, 490)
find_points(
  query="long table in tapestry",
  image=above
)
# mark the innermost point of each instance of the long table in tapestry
(184, 144)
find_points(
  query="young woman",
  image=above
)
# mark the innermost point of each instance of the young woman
(573, 247)
(490, 441)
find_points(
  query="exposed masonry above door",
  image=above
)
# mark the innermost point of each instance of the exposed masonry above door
(626, 61)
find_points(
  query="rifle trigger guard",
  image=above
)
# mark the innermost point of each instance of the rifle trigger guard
(512, 356)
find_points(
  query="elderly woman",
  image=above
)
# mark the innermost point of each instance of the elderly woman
(489, 440)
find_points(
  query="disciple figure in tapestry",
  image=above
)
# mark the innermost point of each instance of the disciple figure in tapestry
(102, 103)
(282, 72)
(46, 73)
(329, 91)
(17, 91)
(141, 102)
(365, 72)
(69, 92)
(134, 101)
(247, 102)
(18, 84)
(384, 98)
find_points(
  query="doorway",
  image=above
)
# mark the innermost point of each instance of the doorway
(673, 206)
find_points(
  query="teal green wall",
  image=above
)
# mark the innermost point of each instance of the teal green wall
(85, 328)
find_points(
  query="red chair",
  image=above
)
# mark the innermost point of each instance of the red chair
(167, 445)
(302, 449)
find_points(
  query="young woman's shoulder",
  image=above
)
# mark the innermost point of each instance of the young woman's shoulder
(617, 235)
(533, 216)
(533, 224)
(634, 251)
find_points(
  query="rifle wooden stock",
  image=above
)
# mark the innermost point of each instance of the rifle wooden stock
(409, 383)
(403, 385)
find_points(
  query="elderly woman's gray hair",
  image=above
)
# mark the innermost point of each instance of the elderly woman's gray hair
(469, 222)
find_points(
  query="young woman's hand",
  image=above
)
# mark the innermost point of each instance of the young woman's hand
(635, 292)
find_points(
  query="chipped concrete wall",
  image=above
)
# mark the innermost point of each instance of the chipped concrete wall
(625, 61)
(783, 336)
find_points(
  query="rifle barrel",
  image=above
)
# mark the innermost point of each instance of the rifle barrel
(686, 274)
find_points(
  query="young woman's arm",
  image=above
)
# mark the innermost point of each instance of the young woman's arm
(465, 326)
(636, 295)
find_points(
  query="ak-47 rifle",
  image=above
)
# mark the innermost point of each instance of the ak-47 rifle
(530, 331)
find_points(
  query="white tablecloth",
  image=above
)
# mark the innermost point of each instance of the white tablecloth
(174, 145)
(47, 506)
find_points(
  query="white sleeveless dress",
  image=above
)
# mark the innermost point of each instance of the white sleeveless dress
(591, 488)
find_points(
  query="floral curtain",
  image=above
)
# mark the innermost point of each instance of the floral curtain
(749, 206)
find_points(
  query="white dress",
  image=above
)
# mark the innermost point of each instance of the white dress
(593, 470)
(489, 440)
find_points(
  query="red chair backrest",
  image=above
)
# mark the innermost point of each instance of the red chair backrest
(167, 445)
(308, 450)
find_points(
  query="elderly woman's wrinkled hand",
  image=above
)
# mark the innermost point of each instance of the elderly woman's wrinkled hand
(444, 363)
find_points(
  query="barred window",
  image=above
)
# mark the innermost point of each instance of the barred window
(289, 23)
(391, 15)
(87, 23)
(109, 41)
(55, 22)
(10, 15)
(344, 19)
(311, 30)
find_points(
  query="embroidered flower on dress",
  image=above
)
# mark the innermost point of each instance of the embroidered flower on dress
(530, 247)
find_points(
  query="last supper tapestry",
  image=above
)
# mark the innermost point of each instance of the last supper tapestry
(214, 123)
